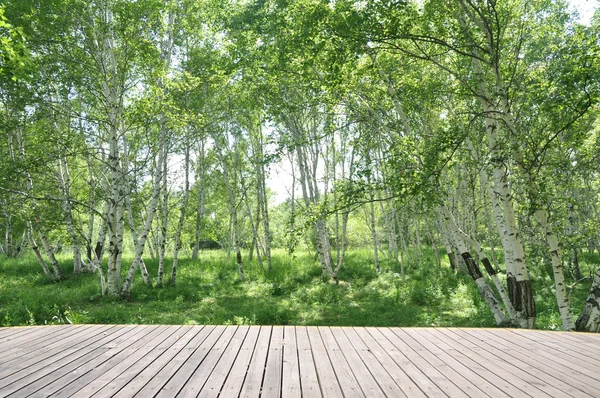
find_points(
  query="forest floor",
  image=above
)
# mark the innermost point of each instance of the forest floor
(208, 291)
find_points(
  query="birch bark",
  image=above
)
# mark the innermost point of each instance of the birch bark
(484, 289)
(182, 213)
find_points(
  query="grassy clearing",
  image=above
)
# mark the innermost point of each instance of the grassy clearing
(209, 292)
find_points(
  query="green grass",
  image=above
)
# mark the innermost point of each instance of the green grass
(208, 291)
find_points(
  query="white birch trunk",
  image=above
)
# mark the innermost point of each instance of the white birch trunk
(92, 216)
(164, 220)
(492, 272)
(50, 253)
(200, 173)
(589, 320)
(139, 241)
(65, 182)
(374, 235)
(484, 289)
(519, 283)
(265, 211)
(36, 251)
(564, 305)
(182, 213)
(106, 64)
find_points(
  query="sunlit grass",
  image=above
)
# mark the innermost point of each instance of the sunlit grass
(208, 291)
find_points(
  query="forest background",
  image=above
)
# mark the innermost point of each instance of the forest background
(441, 157)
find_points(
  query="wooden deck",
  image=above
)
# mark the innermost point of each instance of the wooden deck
(234, 361)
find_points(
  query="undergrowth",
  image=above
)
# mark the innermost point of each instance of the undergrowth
(208, 291)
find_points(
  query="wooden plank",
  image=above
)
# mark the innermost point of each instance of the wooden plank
(72, 372)
(235, 379)
(551, 359)
(184, 337)
(427, 368)
(105, 373)
(577, 338)
(253, 382)
(274, 367)
(56, 375)
(26, 348)
(418, 376)
(290, 387)
(347, 337)
(514, 372)
(476, 373)
(196, 381)
(10, 371)
(526, 362)
(345, 377)
(441, 364)
(369, 347)
(155, 382)
(309, 381)
(88, 372)
(15, 333)
(336, 341)
(21, 352)
(218, 376)
(154, 360)
(561, 343)
(330, 386)
(37, 376)
(126, 361)
(555, 350)
(25, 342)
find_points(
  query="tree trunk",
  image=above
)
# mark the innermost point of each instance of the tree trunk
(140, 240)
(374, 235)
(200, 173)
(65, 182)
(484, 289)
(182, 212)
(564, 305)
(36, 251)
(164, 212)
(589, 320)
(50, 253)
(518, 280)
(255, 240)
(492, 272)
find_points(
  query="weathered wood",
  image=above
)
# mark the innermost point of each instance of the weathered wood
(368, 347)
(185, 372)
(363, 361)
(568, 368)
(291, 373)
(110, 370)
(59, 372)
(154, 382)
(235, 379)
(525, 362)
(254, 376)
(265, 361)
(309, 380)
(433, 373)
(530, 383)
(49, 352)
(30, 376)
(577, 351)
(479, 375)
(445, 365)
(274, 367)
(352, 365)
(327, 377)
(217, 377)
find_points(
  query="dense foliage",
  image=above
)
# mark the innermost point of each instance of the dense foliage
(146, 128)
